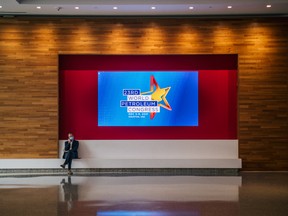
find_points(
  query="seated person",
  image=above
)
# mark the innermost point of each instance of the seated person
(70, 152)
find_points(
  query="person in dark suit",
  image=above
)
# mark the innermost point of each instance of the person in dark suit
(70, 152)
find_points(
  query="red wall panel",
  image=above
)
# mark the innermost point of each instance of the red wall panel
(217, 95)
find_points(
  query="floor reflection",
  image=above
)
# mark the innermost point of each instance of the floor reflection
(70, 192)
(150, 196)
(144, 196)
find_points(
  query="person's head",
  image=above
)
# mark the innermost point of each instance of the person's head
(70, 136)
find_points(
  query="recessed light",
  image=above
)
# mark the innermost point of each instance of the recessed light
(191, 8)
(38, 7)
(77, 8)
(229, 7)
(268, 6)
(0, 6)
(115, 8)
(153, 8)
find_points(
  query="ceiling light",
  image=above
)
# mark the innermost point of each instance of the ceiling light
(153, 8)
(229, 7)
(0, 6)
(115, 8)
(38, 7)
(77, 8)
(268, 6)
(191, 8)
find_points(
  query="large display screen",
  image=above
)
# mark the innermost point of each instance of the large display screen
(147, 98)
(147, 213)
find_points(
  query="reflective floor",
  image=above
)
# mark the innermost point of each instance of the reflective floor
(250, 194)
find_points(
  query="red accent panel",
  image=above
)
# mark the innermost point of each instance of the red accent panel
(78, 101)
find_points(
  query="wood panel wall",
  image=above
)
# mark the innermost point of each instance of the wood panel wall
(29, 48)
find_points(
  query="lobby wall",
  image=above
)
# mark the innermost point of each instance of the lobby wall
(29, 48)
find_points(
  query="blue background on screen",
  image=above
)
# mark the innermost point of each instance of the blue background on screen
(182, 97)
(146, 213)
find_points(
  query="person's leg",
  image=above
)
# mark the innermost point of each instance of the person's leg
(67, 159)
(70, 163)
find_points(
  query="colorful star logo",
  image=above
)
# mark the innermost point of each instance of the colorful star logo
(159, 95)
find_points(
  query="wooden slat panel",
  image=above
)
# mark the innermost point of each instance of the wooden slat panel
(29, 49)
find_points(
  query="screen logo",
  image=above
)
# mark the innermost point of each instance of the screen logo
(149, 101)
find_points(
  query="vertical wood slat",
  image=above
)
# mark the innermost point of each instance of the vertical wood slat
(29, 50)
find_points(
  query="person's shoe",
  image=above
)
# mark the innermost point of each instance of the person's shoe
(70, 172)
(63, 166)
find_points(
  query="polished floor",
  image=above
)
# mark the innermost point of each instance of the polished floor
(251, 194)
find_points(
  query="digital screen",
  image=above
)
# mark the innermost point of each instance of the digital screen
(140, 98)
(146, 213)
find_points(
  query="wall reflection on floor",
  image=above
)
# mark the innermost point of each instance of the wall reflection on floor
(257, 194)
(150, 196)
(120, 196)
